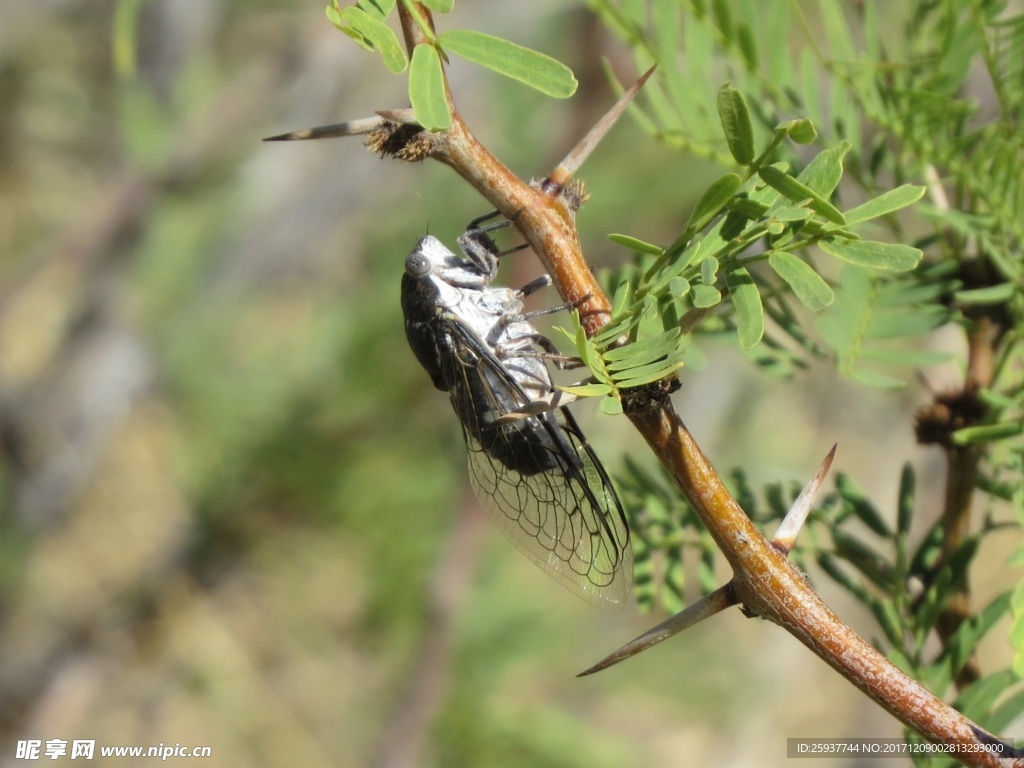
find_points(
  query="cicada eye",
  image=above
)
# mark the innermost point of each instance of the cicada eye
(417, 265)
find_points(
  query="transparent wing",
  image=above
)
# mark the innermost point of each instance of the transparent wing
(540, 479)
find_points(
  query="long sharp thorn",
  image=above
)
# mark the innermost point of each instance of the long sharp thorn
(405, 116)
(565, 169)
(717, 601)
(794, 520)
(348, 128)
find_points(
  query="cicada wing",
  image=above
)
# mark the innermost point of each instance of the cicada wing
(540, 479)
(565, 520)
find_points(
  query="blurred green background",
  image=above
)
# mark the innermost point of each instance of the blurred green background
(234, 511)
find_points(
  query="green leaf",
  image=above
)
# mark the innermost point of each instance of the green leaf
(712, 201)
(905, 501)
(864, 558)
(831, 566)
(378, 9)
(678, 286)
(641, 352)
(530, 67)
(709, 270)
(937, 597)
(723, 18)
(963, 642)
(705, 296)
(589, 354)
(928, 550)
(611, 406)
(439, 6)
(1017, 629)
(858, 502)
(872, 254)
(802, 131)
(993, 294)
(334, 16)
(747, 46)
(888, 618)
(948, 579)
(977, 699)
(588, 390)
(789, 213)
(380, 35)
(907, 322)
(1007, 711)
(808, 286)
(623, 297)
(988, 433)
(825, 171)
(735, 117)
(426, 89)
(637, 245)
(796, 191)
(749, 310)
(903, 293)
(647, 374)
(885, 203)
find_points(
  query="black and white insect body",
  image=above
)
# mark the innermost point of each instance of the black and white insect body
(529, 465)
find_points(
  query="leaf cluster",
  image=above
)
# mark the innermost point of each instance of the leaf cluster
(898, 93)
(365, 22)
(768, 216)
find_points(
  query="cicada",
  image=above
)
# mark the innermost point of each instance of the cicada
(529, 464)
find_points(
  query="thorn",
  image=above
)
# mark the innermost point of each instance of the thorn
(717, 601)
(786, 535)
(404, 116)
(349, 128)
(561, 175)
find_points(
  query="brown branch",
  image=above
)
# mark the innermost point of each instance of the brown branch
(961, 480)
(411, 30)
(962, 464)
(949, 412)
